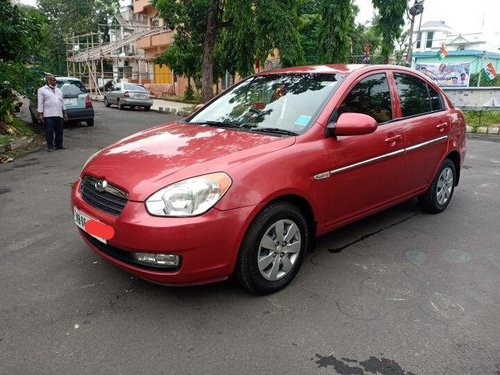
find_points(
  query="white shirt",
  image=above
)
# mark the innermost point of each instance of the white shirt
(50, 102)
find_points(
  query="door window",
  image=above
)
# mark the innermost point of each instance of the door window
(371, 96)
(416, 96)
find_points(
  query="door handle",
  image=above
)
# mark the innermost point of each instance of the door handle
(393, 139)
(441, 126)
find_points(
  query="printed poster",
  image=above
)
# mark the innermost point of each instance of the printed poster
(447, 74)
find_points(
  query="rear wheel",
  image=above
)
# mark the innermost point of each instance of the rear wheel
(273, 249)
(106, 103)
(119, 104)
(439, 194)
(90, 122)
(147, 108)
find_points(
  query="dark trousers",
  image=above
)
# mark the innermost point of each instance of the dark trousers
(53, 127)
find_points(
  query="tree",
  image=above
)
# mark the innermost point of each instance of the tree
(69, 18)
(337, 22)
(238, 30)
(19, 33)
(390, 23)
(310, 18)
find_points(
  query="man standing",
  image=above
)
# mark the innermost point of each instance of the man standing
(51, 111)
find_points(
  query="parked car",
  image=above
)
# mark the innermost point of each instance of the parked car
(77, 101)
(245, 184)
(128, 95)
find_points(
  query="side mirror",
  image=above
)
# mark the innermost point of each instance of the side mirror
(351, 123)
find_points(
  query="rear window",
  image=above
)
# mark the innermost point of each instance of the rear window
(131, 87)
(70, 87)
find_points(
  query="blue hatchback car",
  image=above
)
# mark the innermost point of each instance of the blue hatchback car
(76, 99)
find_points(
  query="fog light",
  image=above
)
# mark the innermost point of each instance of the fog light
(157, 259)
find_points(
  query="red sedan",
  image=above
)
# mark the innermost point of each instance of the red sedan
(244, 184)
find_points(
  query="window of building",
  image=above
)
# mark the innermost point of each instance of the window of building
(430, 36)
(419, 40)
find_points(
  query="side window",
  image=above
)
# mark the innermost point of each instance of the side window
(436, 100)
(371, 96)
(413, 95)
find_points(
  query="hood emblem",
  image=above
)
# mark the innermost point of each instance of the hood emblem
(101, 185)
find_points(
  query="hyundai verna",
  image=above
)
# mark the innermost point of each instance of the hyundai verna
(244, 185)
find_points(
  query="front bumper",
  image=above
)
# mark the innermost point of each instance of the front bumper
(208, 244)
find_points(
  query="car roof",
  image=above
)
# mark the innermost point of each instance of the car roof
(68, 79)
(334, 69)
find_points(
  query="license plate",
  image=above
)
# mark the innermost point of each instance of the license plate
(80, 221)
(71, 101)
(140, 96)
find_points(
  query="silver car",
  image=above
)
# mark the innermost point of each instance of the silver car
(126, 94)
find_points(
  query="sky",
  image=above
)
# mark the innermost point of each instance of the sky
(463, 17)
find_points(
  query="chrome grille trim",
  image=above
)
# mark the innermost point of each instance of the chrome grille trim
(109, 199)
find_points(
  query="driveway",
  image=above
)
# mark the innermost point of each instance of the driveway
(398, 293)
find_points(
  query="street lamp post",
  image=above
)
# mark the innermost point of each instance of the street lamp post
(415, 10)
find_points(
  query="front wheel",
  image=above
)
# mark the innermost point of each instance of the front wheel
(273, 249)
(439, 194)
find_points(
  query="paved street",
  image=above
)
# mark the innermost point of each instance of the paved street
(398, 293)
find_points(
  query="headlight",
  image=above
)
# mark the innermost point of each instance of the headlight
(190, 197)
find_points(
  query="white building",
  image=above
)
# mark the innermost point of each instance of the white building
(433, 34)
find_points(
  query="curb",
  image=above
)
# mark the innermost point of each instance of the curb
(173, 111)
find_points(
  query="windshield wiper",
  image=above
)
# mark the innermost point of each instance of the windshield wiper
(274, 131)
(218, 124)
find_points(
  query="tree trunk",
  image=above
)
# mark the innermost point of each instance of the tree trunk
(208, 47)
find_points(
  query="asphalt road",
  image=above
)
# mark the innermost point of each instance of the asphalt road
(401, 292)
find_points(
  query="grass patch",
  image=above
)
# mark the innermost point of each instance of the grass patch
(481, 118)
(19, 129)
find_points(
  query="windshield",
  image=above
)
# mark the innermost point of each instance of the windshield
(279, 103)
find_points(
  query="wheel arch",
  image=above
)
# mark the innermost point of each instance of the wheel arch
(454, 156)
(307, 210)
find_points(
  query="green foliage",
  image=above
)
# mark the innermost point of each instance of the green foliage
(276, 25)
(362, 34)
(337, 23)
(484, 82)
(390, 23)
(238, 32)
(69, 18)
(481, 118)
(19, 33)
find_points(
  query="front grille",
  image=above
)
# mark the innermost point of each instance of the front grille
(122, 255)
(107, 198)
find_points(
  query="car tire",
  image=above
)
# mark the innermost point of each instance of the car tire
(90, 122)
(106, 103)
(147, 108)
(273, 249)
(438, 196)
(119, 105)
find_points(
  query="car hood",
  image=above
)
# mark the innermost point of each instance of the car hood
(150, 160)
